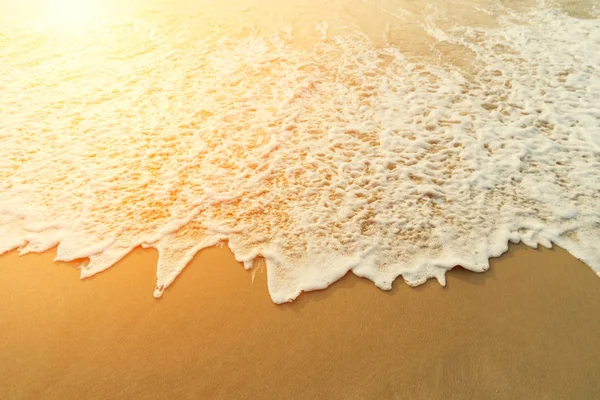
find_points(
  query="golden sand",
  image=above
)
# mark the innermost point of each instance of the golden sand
(527, 329)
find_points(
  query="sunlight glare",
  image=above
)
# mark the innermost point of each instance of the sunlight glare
(71, 12)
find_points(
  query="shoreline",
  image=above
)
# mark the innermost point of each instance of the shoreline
(523, 329)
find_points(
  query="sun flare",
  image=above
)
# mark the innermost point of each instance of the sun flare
(71, 12)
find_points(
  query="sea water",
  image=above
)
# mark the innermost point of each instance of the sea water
(384, 137)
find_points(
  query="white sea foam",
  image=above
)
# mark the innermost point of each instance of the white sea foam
(338, 154)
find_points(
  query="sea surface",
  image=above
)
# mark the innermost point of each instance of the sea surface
(384, 137)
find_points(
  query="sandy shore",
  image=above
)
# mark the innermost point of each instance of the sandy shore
(527, 329)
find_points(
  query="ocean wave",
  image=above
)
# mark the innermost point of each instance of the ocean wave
(348, 154)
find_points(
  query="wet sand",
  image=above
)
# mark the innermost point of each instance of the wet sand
(527, 329)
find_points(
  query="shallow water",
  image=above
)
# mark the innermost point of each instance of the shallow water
(383, 137)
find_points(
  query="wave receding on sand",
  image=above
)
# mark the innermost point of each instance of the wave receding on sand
(344, 155)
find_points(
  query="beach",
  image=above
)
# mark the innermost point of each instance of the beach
(345, 199)
(401, 143)
(526, 329)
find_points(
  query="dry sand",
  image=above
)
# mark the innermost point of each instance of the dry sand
(527, 329)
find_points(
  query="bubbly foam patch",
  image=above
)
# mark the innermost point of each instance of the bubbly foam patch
(343, 156)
